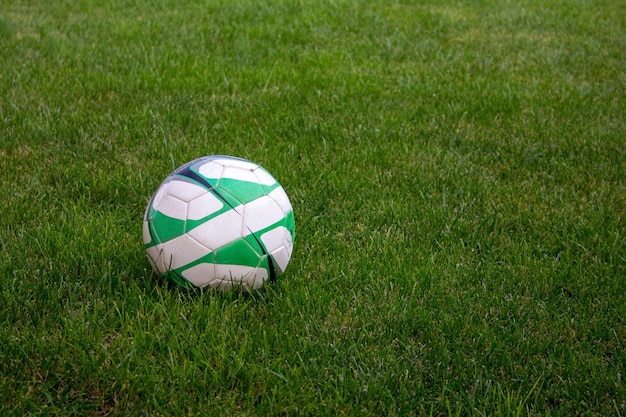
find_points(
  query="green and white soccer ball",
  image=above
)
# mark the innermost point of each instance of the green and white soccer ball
(220, 222)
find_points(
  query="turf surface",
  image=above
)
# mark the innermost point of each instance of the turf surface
(457, 171)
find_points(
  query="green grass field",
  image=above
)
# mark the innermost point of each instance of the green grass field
(457, 171)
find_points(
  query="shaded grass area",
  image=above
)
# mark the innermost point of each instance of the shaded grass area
(456, 170)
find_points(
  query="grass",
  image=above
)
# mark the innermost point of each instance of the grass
(457, 171)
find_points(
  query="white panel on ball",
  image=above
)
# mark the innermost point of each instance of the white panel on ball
(264, 177)
(263, 211)
(155, 256)
(203, 206)
(235, 173)
(228, 276)
(172, 207)
(145, 232)
(280, 197)
(182, 250)
(185, 190)
(211, 170)
(274, 238)
(200, 275)
(220, 230)
(158, 196)
(281, 256)
(239, 163)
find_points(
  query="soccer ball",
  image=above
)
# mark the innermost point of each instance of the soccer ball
(220, 222)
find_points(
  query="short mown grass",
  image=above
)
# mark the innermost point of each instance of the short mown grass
(457, 171)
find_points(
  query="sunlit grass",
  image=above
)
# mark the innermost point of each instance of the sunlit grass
(457, 175)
